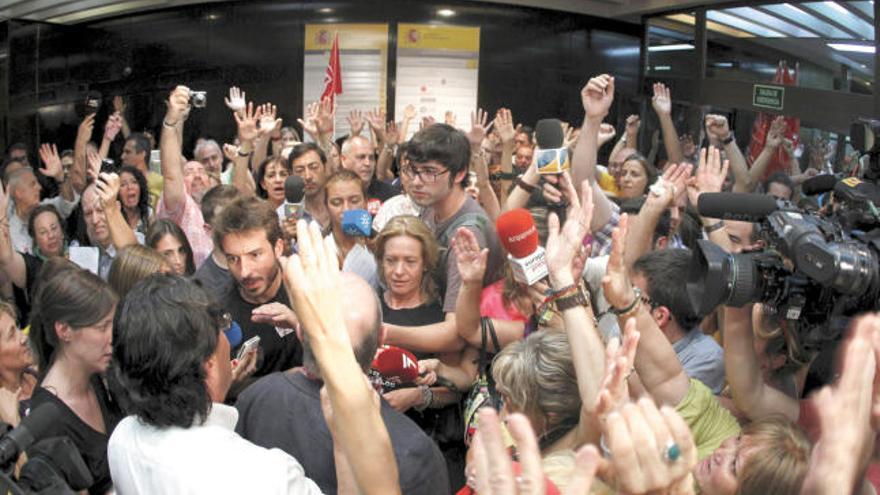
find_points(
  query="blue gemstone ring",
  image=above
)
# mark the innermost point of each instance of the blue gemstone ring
(672, 452)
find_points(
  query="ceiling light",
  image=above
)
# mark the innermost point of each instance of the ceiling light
(849, 47)
(446, 12)
(325, 10)
(671, 48)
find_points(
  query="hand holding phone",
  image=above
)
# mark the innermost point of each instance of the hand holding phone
(249, 345)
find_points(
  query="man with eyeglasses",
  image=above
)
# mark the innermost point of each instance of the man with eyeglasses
(359, 156)
(437, 169)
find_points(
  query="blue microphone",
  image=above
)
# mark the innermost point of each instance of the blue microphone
(233, 334)
(357, 223)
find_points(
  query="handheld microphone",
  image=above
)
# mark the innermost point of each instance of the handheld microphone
(396, 365)
(819, 184)
(357, 223)
(294, 191)
(35, 425)
(747, 207)
(550, 157)
(517, 231)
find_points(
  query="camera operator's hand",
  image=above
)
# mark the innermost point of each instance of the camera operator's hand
(178, 106)
(597, 96)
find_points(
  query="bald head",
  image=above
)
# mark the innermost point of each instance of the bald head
(357, 156)
(363, 322)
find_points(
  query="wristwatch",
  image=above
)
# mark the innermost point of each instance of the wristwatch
(578, 298)
(427, 398)
(729, 139)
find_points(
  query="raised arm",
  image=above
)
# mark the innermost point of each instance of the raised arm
(710, 178)
(507, 133)
(119, 109)
(587, 350)
(107, 187)
(170, 148)
(11, 262)
(53, 169)
(313, 282)
(111, 130)
(80, 161)
(478, 165)
(268, 124)
(656, 362)
(662, 103)
(386, 153)
(722, 137)
(438, 337)
(633, 124)
(596, 98)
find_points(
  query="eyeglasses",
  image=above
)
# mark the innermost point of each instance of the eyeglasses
(426, 176)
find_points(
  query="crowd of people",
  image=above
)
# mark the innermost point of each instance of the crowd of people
(199, 330)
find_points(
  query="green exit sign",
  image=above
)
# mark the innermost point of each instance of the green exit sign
(768, 96)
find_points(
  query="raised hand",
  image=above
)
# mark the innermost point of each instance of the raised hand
(409, 112)
(51, 162)
(717, 127)
(606, 133)
(597, 96)
(471, 260)
(113, 126)
(247, 123)
(178, 106)
(710, 175)
(392, 133)
(565, 245)
(633, 122)
(268, 122)
(326, 117)
(107, 187)
(449, 118)
(237, 100)
(376, 119)
(230, 151)
(672, 186)
(426, 122)
(652, 451)
(480, 126)
(246, 366)
(618, 289)
(94, 164)
(619, 362)
(275, 314)
(310, 124)
(86, 127)
(504, 125)
(355, 122)
(662, 101)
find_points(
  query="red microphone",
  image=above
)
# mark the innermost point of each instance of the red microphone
(518, 234)
(396, 365)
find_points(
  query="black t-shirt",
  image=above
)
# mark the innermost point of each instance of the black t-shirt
(426, 314)
(92, 445)
(283, 410)
(280, 349)
(381, 190)
(23, 296)
(213, 278)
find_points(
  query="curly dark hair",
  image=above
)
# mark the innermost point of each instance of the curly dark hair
(164, 332)
(143, 205)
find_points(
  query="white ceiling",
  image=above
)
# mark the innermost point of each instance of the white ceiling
(76, 11)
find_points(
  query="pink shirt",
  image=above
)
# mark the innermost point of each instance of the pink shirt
(492, 304)
(189, 218)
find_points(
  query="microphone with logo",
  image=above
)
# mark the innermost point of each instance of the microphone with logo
(397, 367)
(518, 234)
(357, 223)
(294, 191)
(550, 157)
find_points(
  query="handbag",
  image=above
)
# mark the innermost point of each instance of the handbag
(483, 393)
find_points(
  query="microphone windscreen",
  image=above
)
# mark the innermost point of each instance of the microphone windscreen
(819, 184)
(396, 364)
(357, 223)
(294, 189)
(548, 134)
(517, 231)
(749, 207)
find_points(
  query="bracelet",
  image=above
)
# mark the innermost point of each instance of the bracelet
(170, 126)
(245, 154)
(529, 188)
(632, 307)
(504, 176)
(427, 398)
(729, 139)
(715, 226)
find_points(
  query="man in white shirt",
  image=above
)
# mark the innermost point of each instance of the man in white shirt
(24, 195)
(171, 364)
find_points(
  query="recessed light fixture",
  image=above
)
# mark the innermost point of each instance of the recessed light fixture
(325, 10)
(850, 47)
(671, 48)
(661, 68)
(446, 12)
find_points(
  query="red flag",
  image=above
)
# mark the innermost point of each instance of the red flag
(333, 74)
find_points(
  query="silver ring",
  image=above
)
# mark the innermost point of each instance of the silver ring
(671, 452)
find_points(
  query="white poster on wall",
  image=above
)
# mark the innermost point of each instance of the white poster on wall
(437, 72)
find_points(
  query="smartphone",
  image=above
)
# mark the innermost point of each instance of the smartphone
(249, 345)
(93, 103)
(155, 161)
(291, 210)
(108, 166)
